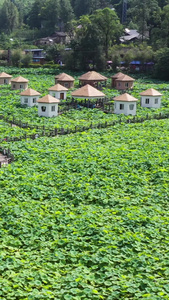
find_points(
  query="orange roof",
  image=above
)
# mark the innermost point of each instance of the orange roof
(92, 76)
(64, 77)
(20, 79)
(88, 91)
(125, 97)
(124, 77)
(151, 92)
(30, 92)
(58, 87)
(5, 75)
(48, 99)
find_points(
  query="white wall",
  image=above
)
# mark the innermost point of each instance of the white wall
(56, 94)
(48, 112)
(124, 107)
(151, 100)
(29, 99)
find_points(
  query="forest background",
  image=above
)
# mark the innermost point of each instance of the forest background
(94, 29)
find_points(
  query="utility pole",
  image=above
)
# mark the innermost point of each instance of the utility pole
(124, 12)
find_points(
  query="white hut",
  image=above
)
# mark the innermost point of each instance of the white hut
(5, 78)
(88, 92)
(29, 97)
(48, 106)
(151, 98)
(19, 83)
(58, 91)
(125, 104)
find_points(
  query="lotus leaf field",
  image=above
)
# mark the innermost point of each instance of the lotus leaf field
(85, 215)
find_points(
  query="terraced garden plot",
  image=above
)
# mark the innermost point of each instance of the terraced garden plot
(85, 216)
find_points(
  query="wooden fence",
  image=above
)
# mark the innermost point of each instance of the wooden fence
(64, 131)
(45, 131)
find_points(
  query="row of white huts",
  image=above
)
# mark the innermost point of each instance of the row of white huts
(48, 105)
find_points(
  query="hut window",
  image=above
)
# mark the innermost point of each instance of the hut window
(119, 84)
(13, 86)
(147, 101)
(131, 106)
(126, 84)
(5, 81)
(121, 106)
(66, 85)
(53, 108)
(43, 108)
(156, 101)
(25, 100)
(34, 100)
(21, 86)
(53, 94)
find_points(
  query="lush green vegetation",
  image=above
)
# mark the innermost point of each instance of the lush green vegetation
(41, 80)
(85, 216)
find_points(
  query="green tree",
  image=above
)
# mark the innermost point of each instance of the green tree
(109, 27)
(9, 17)
(162, 64)
(66, 11)
(16, 58)
(141, 12)
(87, 48)
(34, 19)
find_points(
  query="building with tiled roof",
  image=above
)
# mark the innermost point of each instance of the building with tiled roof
(19, 83)
(93, 78)
(65, 80)
(58, 91)
(125, 104)
(151, 98)
(88, 92)
(5, 78)
(122, 81)
(48, 106)
(29, 97)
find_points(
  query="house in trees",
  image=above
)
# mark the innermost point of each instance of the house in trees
(130, 35)
(48, 106)
(58, 91)
(58, 37)
(122, 81)
(151, 98)
(38, 57)
(65, 80)
(5, 78)
(88, 92)
(93, 78)
(125, 104)
(19, 83)
(29, 97)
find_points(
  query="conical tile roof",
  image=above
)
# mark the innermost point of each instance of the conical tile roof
(58, 87)
(125, 97)
(151, 92)
(30, 92)
(64, 77)
(20, 79)
(88, 91)
(118, 75)
(124, 77)
(92, 75)
(5, 75)
(48, 99)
